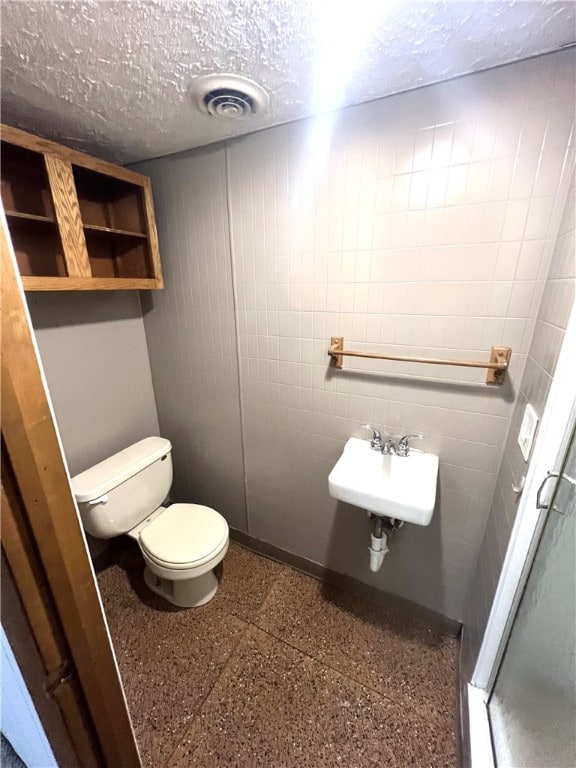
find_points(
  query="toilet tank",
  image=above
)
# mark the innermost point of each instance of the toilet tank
(121, 491)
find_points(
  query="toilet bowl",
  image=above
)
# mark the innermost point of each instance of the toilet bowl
(181, 544)
(180, 568)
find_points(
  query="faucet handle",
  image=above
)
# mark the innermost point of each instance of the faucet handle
(376, 443)
(404, 447)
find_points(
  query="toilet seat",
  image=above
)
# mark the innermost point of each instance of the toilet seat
(184, 536)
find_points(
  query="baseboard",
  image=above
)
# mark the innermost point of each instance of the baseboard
(400, 605)
(373, 595)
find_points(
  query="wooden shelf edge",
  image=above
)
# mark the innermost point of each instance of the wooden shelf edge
(37, 144)
(98, 230)
(32, 283)
(29, 217)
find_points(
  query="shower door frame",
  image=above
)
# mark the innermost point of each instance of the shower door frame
(524, 542)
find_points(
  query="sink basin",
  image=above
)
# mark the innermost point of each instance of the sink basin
(403, 487)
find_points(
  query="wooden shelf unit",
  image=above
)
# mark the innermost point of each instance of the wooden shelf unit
(76, 222)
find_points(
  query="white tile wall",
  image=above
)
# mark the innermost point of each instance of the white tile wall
(421, 227)
(557, 301)
(418, 224)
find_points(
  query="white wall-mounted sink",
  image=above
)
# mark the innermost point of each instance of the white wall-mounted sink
(403, 487)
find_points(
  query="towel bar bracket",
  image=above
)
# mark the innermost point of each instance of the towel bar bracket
(499, 355)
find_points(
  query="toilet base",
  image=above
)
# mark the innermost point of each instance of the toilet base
(187, 593)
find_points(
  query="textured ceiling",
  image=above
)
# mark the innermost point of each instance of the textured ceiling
(111, 77)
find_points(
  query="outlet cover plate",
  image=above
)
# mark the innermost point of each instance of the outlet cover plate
(527, 431)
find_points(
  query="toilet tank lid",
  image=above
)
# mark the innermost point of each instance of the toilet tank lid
(116, 469)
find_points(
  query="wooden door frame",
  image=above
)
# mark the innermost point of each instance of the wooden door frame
(45, 548)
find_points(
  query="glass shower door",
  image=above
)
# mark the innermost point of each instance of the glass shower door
(532, 708)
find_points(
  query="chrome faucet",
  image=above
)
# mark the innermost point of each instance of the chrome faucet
(387, 446)
(378, 444)
(403, 448)
(388, 449)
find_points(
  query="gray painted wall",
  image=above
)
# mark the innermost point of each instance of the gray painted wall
(191, 332)
(557, 301)
(422, 224)
(93, 350)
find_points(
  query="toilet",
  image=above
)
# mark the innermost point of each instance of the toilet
(181, 543)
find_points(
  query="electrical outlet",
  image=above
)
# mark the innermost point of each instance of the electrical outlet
(527, 431)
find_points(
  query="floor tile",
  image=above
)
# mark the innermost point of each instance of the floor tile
(275, 706)
(121, 582)
(245, 581)
(388, 653)
(166, 686)
(169, 658)
(202, 682)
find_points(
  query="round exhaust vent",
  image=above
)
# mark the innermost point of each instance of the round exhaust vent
(228, 96)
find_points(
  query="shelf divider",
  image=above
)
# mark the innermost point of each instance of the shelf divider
(68, 215)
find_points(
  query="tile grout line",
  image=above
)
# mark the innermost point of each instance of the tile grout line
(287, 569)
(201, 704)
(247, 625)
(337, 671)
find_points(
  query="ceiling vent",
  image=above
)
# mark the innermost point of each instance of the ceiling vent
(228, 96)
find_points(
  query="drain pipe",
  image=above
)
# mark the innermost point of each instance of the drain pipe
(378, 543)
(382, 527)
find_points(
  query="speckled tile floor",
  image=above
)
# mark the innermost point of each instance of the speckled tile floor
(278, 670)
